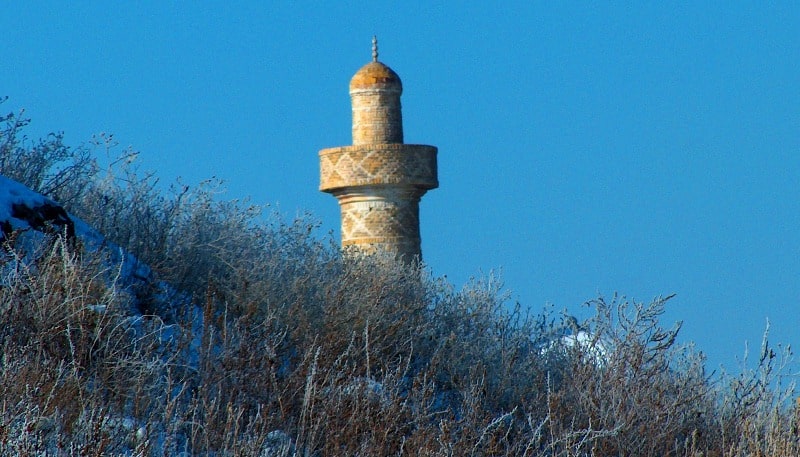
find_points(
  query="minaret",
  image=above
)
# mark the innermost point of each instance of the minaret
(379, 180)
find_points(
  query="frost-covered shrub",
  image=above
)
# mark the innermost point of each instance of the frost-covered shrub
(47, 165)
(71, 356)
(267, 341)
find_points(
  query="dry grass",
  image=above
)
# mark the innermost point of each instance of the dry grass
(276, 345)
(377, 359)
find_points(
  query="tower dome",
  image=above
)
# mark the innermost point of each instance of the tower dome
(376, 75)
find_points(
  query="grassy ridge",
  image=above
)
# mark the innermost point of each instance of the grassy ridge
(273, 343)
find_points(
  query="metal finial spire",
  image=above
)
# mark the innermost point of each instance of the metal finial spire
(374, 48)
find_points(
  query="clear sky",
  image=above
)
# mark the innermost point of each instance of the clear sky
(584, 148)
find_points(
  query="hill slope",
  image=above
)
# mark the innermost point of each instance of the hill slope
(246, 335)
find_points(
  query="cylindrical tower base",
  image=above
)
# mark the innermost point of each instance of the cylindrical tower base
(384, 219)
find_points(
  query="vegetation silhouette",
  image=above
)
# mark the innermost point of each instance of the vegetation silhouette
(251, 335)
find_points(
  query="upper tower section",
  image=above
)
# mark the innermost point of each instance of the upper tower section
(375, 92)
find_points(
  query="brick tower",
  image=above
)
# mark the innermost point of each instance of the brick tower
(379, 180)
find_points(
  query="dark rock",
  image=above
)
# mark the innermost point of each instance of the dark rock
(47, 218)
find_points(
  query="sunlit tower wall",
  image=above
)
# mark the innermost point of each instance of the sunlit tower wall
(379, 180)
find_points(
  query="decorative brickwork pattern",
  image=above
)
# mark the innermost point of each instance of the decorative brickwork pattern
(384, 218)
(379, 180)
(401, 164)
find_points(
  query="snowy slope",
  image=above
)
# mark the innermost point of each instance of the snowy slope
(24, 209)
(26, 216)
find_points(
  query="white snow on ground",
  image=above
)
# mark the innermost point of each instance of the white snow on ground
(13, 193)
(132, 268)
(590, 344)
(573, 336)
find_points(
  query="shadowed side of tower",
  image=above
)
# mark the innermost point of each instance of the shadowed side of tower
(379, 180)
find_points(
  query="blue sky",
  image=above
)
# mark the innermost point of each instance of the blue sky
(584, 148)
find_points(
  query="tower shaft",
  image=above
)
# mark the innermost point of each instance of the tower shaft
(377, 117)
(384, 218)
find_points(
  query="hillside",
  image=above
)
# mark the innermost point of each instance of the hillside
(137, 321)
